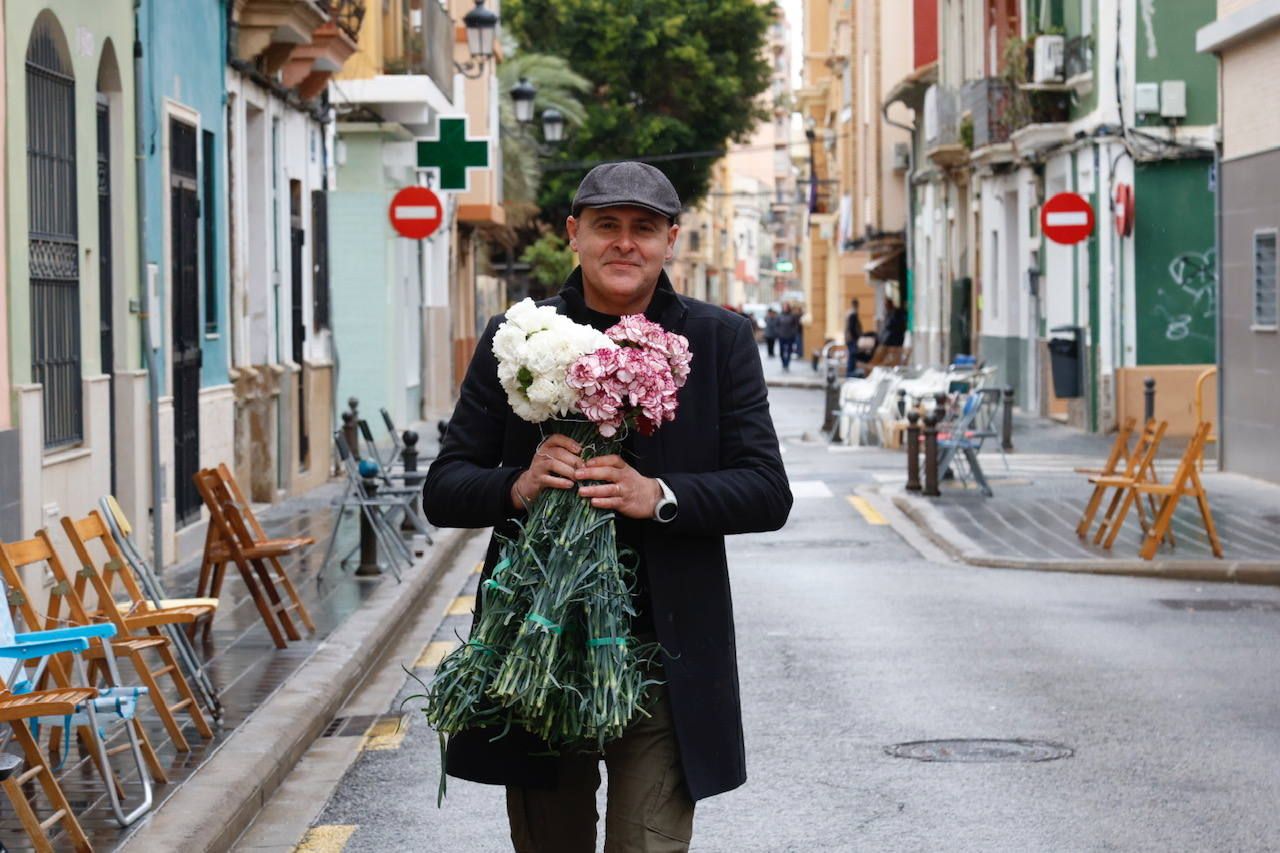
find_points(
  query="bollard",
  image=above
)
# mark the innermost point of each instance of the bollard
(368, 539)
(1148, 399)
(902, 402)
(409, 458)
(350, 434)
(913, 451)
(1006, 427)
(833, 400)
(931, 455)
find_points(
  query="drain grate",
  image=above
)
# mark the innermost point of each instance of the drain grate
(1221, 605)
(980, 751)
(353, 726)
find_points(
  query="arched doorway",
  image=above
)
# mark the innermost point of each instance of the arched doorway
(53, 247)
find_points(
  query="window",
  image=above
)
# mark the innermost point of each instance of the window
(1264, 280)
(53, 239)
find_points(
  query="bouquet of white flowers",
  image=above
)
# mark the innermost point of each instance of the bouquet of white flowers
(552, 650)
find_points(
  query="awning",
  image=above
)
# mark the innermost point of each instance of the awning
(885, 266)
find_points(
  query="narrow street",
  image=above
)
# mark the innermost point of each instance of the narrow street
(849, 641)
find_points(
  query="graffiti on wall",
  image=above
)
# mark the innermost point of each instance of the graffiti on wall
(1190, 304)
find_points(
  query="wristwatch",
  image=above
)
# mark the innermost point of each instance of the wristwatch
(666, 509)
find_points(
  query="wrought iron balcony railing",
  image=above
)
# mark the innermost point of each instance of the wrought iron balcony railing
(989, 104)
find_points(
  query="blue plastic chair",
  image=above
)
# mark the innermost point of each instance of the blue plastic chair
(24, 661)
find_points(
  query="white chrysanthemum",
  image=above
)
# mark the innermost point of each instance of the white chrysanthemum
(535, 347)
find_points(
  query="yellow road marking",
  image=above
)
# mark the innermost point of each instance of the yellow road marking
(326, 838)
(478, 568)
(461, 606)
(386, 733)
(433, 653)
(866, 510)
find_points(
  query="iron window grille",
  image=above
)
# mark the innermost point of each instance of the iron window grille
(1266, 298)
(53, 245)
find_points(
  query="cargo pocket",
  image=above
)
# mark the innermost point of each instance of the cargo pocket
(668, 820)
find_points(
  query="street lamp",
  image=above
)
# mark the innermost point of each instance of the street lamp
(482, 26)
(552, 125)
(522, 95)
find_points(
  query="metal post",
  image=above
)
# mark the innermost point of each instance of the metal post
(833, 398)
(931, 454)
(1148, 399)
(368, 539)
(1006, 427)
(902, 402)
(349, 434)
(913, 451)
(409, 458)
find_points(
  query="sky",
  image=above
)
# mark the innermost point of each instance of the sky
(794, 10)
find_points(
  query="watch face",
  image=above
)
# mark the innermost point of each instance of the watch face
(666, 511)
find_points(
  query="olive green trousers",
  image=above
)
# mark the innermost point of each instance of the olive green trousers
(649, 807)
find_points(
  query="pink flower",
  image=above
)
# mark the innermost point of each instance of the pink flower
(638, 382)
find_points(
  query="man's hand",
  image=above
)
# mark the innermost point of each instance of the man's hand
(621, 488)
(554, 464)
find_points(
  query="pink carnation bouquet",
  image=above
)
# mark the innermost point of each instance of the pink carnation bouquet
(552, 650)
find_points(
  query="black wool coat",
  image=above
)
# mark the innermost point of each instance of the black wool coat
(719, 457)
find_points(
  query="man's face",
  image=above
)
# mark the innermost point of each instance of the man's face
(622, 250)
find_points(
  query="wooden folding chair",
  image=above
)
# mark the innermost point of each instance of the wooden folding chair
(1186, 481)
(233, 538)
(15, 556)
(1111, 477)
(1140, 468)
(17, 710)
(140, 619)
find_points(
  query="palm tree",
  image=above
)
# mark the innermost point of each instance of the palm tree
(558, 86)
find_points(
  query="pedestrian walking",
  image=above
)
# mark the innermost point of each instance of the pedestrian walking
(770, 330)
(788, 333)
(676, 493)
(852, 331)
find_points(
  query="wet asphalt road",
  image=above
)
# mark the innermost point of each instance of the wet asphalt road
(1168, 692)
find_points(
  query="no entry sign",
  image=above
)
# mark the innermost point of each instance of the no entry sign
(1066, 218)
(415, 213)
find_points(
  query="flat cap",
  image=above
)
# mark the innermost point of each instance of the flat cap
(629, 182)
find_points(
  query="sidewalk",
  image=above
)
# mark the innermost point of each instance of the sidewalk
(1030, 522)
(253, 678)
(801, 374)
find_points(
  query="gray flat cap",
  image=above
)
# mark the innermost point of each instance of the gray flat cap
(614, 184)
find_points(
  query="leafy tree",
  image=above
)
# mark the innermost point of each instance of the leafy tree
(550, 260)
(670, 76)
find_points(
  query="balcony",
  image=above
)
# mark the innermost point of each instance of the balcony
(989, 105)
(310, 66)
(1041, 121)
(943, 144)
(428, 47)
(1078, 62)
(820, 196)
(268, 31)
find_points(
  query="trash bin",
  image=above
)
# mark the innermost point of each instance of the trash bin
(1064, 360)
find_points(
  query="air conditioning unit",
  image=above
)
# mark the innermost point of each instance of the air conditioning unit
(1050, 59)
(901, 157)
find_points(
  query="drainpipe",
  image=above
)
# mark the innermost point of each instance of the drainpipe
(144, 316)
(909, 232)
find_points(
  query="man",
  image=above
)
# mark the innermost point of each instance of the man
(770, 330)
(852, 331)
(895, 324)
(788, 333)
(715, 470)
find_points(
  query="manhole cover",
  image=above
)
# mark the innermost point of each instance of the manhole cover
(1221, 605)
(980, 750)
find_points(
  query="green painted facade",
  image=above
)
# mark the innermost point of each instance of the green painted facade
(1176, 283)
(96, 37)
(1166, 50)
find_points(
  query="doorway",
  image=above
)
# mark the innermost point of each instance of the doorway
(184, 283)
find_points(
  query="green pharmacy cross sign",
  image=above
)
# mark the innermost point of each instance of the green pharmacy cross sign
(454, 154)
